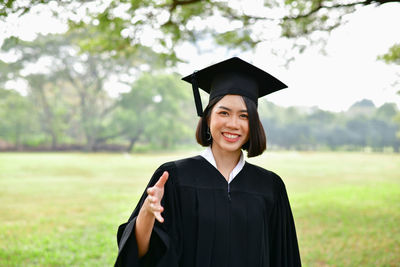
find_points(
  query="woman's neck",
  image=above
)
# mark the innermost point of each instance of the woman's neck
(226, 161)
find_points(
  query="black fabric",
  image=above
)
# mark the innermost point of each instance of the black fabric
(234, 83)
(209, 222)
(232, 76)
(196, 94)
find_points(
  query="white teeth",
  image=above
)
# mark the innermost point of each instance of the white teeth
(231, 135)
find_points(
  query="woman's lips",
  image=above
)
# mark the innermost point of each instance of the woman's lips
(230, 137)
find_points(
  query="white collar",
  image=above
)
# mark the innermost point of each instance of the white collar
(208, 155)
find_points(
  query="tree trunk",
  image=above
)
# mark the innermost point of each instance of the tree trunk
(53, 141)
(18, 143)
(132, 142)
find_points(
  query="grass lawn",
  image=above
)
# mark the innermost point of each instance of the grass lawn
(64, 209)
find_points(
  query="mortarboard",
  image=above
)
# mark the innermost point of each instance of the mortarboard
(232, 76)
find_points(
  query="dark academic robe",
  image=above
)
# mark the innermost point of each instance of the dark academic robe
(208, 222)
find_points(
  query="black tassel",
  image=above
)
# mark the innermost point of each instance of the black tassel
(196, 95)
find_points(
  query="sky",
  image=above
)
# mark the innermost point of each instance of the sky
(349, 72)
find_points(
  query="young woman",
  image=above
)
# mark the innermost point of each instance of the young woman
(216, 209)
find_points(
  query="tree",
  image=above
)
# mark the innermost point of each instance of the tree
(69, 92)
(125, 26)
(16, 118)
(158, 109)
(393, 57)
(71, 104)
(387, 111)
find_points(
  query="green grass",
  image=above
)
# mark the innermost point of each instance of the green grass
(64, 209)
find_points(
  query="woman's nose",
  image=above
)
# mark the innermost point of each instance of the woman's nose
(232, 122)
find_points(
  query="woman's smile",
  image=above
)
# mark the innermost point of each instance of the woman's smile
(230, 137)
(229, 125)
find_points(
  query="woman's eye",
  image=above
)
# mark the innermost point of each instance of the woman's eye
(224, 113)
(244, 116)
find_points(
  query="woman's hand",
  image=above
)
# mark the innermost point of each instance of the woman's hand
(150, 209)
(152, 204)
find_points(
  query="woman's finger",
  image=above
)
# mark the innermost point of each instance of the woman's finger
(150, 191)
(155, 207)
(152, 199)
(159, 217)
(163, 179)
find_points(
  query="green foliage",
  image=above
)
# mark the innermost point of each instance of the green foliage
(392, 56)
(68, 93)
(306, 17)
(71, 107)
(125, 34)
(120, 26)
(16, 118)
(236, 39)
(68, 106)
(17, 7)
(59, 86)
(157, 108)
(387, 111)
(360, 127)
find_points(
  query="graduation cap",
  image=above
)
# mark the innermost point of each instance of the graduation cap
(232, 76)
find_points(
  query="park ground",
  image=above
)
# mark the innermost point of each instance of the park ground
(63, 209)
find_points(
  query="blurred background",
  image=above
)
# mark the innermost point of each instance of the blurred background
(91, 103)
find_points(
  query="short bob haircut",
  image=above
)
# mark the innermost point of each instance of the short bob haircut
(257, 142)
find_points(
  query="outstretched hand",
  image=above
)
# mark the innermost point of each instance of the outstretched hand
(154, 197)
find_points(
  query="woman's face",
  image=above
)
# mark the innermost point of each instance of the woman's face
(229, 125)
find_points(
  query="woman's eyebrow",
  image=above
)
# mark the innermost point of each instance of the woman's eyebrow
(222, 107)
(228, 109)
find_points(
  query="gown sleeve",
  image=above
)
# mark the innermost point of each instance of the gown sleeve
(284, 246)
(164, 247)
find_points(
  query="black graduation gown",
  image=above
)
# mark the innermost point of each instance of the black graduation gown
(208, 222)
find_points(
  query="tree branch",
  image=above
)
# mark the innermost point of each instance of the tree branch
(176, 3)
(102, 139)
(320, 6)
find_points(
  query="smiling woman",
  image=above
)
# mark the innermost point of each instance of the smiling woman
(228, 124)
(255, 142)
(216, 209)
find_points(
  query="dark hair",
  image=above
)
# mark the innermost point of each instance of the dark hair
(257, 142)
